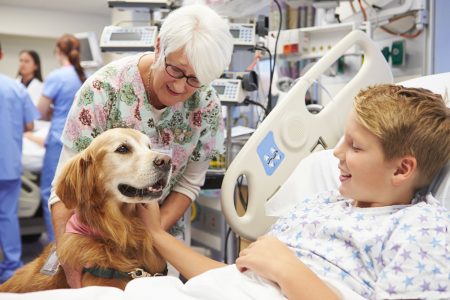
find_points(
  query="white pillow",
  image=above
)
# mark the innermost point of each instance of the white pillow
(319, 172)
(440, 186)
(316, 173)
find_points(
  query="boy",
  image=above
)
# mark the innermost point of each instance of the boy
(377, 236)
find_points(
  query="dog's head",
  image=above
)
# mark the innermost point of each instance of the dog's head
(119, 164)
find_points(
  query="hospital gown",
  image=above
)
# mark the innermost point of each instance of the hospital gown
(391, 252)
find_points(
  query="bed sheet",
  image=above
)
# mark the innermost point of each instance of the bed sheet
(33, 153)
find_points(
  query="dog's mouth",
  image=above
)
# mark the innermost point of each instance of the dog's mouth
(150, 191)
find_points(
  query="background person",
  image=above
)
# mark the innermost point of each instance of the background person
(59, 91)
(166, 95)
(30, 74)
(376, 236)
(17, 114)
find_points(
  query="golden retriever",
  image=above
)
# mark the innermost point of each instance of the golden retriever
(104, 184)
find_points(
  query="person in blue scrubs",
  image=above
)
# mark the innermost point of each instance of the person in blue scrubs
(57, 97)
(17, 113)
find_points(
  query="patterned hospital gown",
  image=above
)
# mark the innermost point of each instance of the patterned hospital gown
(392, 252)
(115, 96)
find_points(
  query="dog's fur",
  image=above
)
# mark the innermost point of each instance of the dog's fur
(89, 184)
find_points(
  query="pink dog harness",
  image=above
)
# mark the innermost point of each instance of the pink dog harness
(75, 226)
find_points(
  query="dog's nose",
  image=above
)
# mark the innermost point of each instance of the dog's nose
(163, 162)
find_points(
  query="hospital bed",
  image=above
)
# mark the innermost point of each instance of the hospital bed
(277, 164)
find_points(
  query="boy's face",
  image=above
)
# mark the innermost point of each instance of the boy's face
(365, 174)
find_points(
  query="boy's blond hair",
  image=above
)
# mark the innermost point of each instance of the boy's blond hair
(408, 121)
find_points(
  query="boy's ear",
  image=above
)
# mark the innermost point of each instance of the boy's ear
(406, 168)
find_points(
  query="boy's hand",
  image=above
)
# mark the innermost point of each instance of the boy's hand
(267, 256)
(150, 216)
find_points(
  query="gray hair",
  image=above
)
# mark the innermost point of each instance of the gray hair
(203, 35)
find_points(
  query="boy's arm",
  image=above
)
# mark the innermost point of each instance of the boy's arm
(271, 259)
(173, 209)
(188, 262)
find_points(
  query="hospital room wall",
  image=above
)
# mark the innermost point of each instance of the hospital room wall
(38, 29)
(13, 44)
(440, 43)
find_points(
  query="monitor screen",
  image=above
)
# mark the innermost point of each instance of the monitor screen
(90, 56)
(125, 36)
(85, 50)
(219, 88)
(235, 33)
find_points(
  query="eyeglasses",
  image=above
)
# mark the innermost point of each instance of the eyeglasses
(177, 73)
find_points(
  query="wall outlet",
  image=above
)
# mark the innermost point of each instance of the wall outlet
(398, 53)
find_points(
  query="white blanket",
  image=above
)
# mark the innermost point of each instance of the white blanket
(225, 283)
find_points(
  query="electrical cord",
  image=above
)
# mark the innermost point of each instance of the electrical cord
(244, 205)
(269, 102)
(352, 6)
(261, 92)
(405, 33)
(363, 11)
(225, 256)
(244, 202)
(247, 101)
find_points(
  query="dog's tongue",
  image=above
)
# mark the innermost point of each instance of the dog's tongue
(158, 186)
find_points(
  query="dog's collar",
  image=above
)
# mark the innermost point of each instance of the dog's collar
(113, 273)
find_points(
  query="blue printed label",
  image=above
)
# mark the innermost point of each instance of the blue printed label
(269, 154)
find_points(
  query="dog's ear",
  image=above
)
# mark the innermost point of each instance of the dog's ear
(76, 180)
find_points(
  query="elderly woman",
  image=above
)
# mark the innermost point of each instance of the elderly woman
(166, 95)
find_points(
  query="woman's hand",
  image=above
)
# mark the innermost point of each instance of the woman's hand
(150, 216)
(267, 257)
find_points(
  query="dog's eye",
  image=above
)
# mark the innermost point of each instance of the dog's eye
(123, 149)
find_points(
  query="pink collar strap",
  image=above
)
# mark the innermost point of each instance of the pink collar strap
(75, 226)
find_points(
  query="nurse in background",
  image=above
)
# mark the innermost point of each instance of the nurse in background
(30, 73)
(59, 91)
(30, 76)
(17, 114)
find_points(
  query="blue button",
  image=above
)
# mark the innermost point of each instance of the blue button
(270, 155)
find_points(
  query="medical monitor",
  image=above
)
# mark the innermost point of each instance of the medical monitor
(90, 55)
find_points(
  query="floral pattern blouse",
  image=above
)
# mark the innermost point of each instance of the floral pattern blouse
(115, 97)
